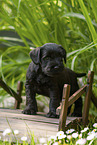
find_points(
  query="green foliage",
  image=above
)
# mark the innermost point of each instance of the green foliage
(73, 24)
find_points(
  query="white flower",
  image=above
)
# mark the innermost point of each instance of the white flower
(81, 141)
(96, 135)
(70, 131)
(24, 138)
(61, 136)
(60, 133)
(0, 137)
(94, 130)
(91, 136)
(75, 135)
(16, 132)
(7, 132)
(84, 130)
(80, 135)
(69, 136)
(42, 140)
(95, 125)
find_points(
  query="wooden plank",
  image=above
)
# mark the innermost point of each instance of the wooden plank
(38, 125)
(17, 114)
(76, 95)
(9, 113)
(28, 127)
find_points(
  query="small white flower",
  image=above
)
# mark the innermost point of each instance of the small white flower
(16, 132)
(24, 138)
(60, 133)
(70, 131)
(95, 125)
(75, 135)
(91, 136)
(80, 135)
(81, 141)
(7, 132)
(94, 130)
(42, 140)
(96, 135)
(0, 137)
(69, 136)
(61, 136)
(84, 130)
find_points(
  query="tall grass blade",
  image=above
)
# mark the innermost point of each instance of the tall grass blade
(88, 19)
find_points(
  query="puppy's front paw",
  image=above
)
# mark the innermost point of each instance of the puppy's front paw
(52, 115)
(29, 111)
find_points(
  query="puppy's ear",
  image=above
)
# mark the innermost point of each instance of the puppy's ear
(35, 55)
(63, 53)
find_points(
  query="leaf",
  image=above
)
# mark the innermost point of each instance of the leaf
(92, 64)
(88, 20)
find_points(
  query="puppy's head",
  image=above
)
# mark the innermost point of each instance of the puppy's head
(50, 57)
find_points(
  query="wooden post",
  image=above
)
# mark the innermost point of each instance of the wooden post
(64, 107)
(19, 91)
(87, 98)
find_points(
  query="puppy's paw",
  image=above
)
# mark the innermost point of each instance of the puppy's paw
(29, 111)
(52, 115)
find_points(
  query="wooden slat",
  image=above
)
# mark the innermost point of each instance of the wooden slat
(17, 114)
(76, 95)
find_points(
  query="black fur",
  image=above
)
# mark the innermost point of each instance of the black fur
(46, 75)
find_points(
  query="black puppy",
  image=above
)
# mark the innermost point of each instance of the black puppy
(46, 75)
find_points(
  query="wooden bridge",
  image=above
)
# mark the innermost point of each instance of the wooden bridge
(39, 124)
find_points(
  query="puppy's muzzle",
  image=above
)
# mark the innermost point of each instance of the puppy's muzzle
(54, 70)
